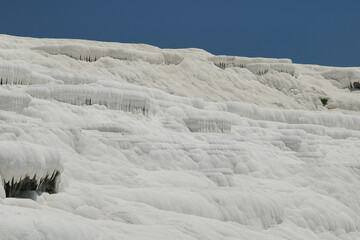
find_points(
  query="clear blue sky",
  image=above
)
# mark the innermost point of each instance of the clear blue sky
(317, 31)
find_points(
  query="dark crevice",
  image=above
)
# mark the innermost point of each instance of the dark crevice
(47, 184)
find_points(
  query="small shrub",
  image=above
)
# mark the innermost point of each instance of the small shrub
(324, 101)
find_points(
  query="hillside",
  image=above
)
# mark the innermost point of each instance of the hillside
(146, 143)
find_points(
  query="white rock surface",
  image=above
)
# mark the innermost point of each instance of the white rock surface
(176, 144)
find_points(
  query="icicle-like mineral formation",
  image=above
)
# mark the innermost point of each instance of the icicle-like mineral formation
(25, 167)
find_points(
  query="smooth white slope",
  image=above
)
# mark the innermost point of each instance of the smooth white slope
(177, 149)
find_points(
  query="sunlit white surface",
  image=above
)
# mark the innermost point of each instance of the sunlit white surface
(176, 144)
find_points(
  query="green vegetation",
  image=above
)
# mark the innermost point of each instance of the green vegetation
(324, 101)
